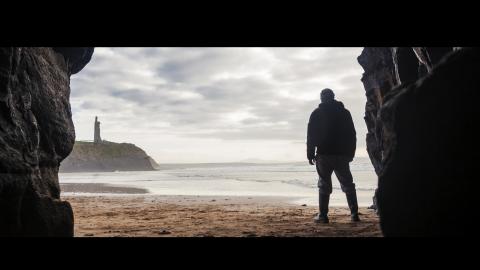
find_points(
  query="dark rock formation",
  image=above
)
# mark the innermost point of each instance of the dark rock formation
(75, 57)
(36, 134)
(378, 79)
(424, 133)
(385, 68)
(428, 183)
(107, 157)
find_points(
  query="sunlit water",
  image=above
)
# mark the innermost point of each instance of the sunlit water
(295, 181)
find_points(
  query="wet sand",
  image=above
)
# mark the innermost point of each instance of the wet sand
(99, 188)
(206, 216)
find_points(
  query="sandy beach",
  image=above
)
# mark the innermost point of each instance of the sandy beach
(133, 214)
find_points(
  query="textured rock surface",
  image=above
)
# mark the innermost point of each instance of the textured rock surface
(386, 68)
(428, 184)
(423, 131)
(75, 57)
(106, 157)
(378, 79)
(36, 133)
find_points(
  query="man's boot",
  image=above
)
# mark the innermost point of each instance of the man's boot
(353, 205)
(323, 200)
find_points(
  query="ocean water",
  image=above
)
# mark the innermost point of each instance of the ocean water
(295, 181)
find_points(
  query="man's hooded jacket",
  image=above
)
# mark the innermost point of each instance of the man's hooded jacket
(331, 131)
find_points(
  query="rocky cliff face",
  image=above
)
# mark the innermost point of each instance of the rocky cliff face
(36, 134)
(107, 157)
(379, 78)
(424, 145)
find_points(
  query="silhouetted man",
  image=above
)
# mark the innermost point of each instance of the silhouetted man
(331, 132)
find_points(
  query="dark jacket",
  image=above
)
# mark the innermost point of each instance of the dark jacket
(331, 131)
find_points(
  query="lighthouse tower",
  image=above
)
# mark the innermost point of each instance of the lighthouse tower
(96, 135)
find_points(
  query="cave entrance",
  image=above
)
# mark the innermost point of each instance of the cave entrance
(36, 113)
(207, 185)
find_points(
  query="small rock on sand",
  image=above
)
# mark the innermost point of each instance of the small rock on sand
(164, 232)
(304, 205)
(249, 234)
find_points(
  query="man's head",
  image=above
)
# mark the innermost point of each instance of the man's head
(327, 95)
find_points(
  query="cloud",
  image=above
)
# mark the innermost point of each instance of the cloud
(164, 99)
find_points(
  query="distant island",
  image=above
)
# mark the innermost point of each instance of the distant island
(104, 156)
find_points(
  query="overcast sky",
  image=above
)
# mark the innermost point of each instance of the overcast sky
(214, 104)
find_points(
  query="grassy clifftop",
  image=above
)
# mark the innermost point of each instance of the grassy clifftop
(107, 156)
(105, 149)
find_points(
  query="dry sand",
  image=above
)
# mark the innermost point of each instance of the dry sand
(198, 216)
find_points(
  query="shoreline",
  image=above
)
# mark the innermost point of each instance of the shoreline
(99, 188)
(103, 189)
(144, 215)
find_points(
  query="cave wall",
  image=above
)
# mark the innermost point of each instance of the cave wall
(385, 68)
(425, 146)
(36, 134)
(378, 79)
